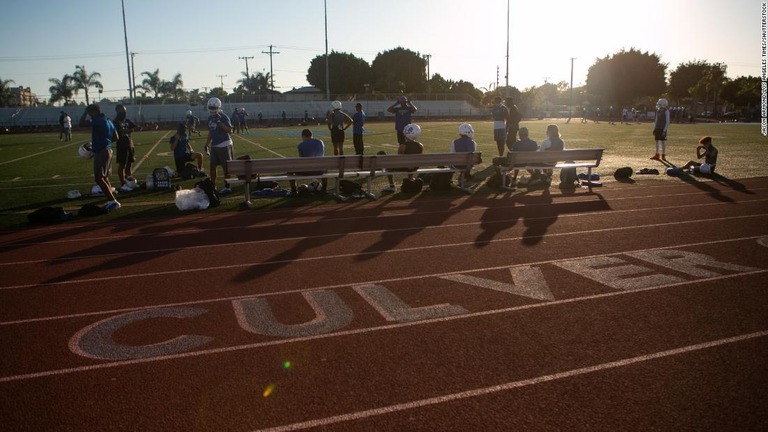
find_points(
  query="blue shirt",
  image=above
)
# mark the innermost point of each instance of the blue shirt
(180, 152)
(312, 147)
(402, 117)
(464, 144)
(524, 145)
(218, 136)
(358, 121)
(103, 130)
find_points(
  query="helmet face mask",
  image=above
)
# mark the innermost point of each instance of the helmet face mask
(412, 131)
(466, 129)
(214, 105)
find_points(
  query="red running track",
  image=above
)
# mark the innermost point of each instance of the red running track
(637, 307)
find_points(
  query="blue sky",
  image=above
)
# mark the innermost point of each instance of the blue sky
(203, 39)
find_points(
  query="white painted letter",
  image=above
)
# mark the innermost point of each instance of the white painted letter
(95, 341)
(687, 262)
(392, 308)
(527, 281)
(615, 273)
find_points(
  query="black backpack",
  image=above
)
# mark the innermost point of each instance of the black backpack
(412, 185)
(161, 179)
(206, 185)
(47, 215)
(349, 187)
(441, 181)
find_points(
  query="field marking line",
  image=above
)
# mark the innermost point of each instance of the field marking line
(384, 281)
(359, 331)
(138, 163)
(38, 154)
(262, 147)
(484, 391)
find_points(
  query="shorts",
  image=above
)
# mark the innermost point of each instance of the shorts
(102, 163)
(126, 153)
(182, 161)
(500, 135)
(400, 137)
(659, 135)
(220, 155)
(337, 136)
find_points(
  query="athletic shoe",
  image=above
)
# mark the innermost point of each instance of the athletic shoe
(389, 189)
(207, 150)
(112, 205)
(225, 191)
(125, 188)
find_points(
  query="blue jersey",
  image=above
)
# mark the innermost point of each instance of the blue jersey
(402, 117)
(180, 152)
(464, 144)
(312, 147)
(218, 136)
(103, 130)
(358, 121)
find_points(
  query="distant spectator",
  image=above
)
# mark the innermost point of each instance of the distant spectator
(358, 127)
(402, 109)
(192, 122)
(126, 152)
(67, 127)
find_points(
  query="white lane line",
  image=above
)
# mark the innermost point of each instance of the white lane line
(483, 391)
(280, 342)
(39, 153)
(262, 147)
(360, 253)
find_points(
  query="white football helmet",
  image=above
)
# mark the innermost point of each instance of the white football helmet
(336, 105)
(85, 151)
(189, 112)
(466, 129)
(662, 103)
(412, 131)
(214, 105)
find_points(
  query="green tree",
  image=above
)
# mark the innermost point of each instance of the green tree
(685, 77)
(173, 89)
(626, 76)
(399, 70)
(248, 83)
(62, 89)
(743, 92)
(82, 80)
(710, 84)
(348, 74)
(5, 91)
(152, 82)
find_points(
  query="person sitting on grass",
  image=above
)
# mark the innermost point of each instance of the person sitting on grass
(708, 152)
(182, 150)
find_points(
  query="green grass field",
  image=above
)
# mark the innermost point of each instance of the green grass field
(38, 170)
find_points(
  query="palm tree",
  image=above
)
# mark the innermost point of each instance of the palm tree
(83, 81)
(62, 89)
(152, 82)
(248, 83)
(5, 91)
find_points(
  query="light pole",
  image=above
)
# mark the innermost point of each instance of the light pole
(131, 94)
(327, 77)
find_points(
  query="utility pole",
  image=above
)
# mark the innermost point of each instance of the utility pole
(133, 77)
(427, 57)
(507, 74)
(570, 108)
(127, 63)
(247, 74)
(271, 75)
(327, 76)
(222, 80)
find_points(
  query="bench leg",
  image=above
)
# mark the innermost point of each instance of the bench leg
(247, 203)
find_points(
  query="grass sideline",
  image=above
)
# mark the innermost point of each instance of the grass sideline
(38, 169)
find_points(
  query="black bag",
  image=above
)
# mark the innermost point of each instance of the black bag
(161, 179)
(568, 177)
(46, 215)
(349, 187)
(89, 210)
(441, 181)
(189, 172)
(623, 173)
(206, 185)
(412, 185)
